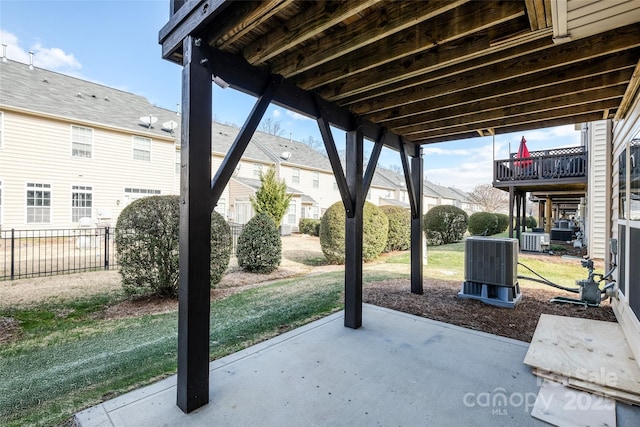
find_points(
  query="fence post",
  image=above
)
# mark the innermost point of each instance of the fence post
(13, 251)
(106, 248)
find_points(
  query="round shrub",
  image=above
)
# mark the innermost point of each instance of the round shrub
(483, 224)
(259, 245)
(147, 239)
(220, 247)
(399, 237)
(375, 228)
(531, 222)
(445, 224)
(309, 226)
(503, 223)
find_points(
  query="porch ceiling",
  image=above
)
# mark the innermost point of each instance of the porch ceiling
(427, 71)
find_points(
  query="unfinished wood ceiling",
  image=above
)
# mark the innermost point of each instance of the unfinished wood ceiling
(427, 71)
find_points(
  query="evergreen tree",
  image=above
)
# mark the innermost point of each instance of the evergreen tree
(271, 198)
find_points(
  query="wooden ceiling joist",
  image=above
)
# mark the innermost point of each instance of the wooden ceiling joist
(427, 71)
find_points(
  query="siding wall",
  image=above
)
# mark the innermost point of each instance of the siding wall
(623, 132)
(599, 134)
(38, 150)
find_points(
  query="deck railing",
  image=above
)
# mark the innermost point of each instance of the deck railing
(554, 164)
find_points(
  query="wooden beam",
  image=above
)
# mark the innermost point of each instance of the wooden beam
(315, 18)
(332, 152)
(519, 91)
(353, 231)
(466, 19)
(473, 51)
(584, 49)
(409, 182)
(519, 127)
(247, 16)
(523, 118)
(630, 93)
(193, 15)
(373, 162)
(195, 239)
(252, 80)
(477, 118)
(231, 159)
(379, 24)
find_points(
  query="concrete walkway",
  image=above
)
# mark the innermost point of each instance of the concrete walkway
(397, 370)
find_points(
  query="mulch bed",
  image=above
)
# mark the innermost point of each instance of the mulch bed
(440, 302)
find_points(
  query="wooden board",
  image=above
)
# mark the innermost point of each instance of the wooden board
(621, 396)
(591, 351)
(561, 406)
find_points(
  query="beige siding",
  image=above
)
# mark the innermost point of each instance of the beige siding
(38, 150)
(623, 132)
(597, 198)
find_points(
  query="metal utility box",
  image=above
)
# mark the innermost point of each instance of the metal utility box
(491, 271)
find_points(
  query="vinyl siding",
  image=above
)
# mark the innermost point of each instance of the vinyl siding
(38, 150)
(597, 198)
(623, 132)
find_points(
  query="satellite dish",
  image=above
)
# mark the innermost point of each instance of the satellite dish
(285, 155)
(148, 120)
(170, 125)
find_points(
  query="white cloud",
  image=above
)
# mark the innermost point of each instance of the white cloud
(296, 116)
(54, 58)
(276, 113)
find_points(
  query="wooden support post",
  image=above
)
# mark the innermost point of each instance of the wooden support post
(195, 219)
(353, 231)
(417, 232)
(518, 204)
(511, 201)
(524, 211)
(548, 216)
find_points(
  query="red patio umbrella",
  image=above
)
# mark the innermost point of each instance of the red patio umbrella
(523, 153)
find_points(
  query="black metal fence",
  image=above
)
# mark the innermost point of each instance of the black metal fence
(35, 253)
(546, 164)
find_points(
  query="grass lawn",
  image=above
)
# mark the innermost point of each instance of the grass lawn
(68, 358)
(447, 262)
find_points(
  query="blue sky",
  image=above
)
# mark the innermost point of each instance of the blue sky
(115, 43)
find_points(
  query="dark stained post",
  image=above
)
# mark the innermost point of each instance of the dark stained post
(518, 196)
(511, 201)
(416, 225)
(353, 231)
(195, 219)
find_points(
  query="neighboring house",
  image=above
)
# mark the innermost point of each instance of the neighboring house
(72, 149)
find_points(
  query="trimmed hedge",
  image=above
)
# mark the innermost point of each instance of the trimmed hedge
(147, 240)
(309, 226)
(332, 233)
(445, 224)
(503, 223)
(483, 224)
(259, 245)
(399, 237)
(531, 222)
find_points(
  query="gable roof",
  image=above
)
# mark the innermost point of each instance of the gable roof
(59, 95)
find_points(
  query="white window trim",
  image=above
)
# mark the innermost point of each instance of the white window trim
(91, 144)
(81, 191)
(133, 148)
(26, 207)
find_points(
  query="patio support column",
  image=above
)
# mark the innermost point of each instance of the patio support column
(417, 233)
(548, 216)
(195, 217)
(511, 201)
(524, 211)
(353, 231)
(518, 198)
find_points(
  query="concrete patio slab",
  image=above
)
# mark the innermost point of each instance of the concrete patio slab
(397, 370)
